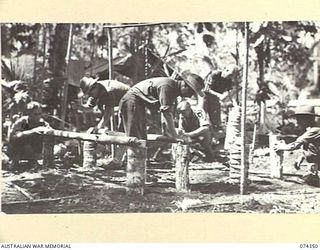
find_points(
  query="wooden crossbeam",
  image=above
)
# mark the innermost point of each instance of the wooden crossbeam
(104, 138)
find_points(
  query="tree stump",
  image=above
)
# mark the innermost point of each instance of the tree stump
(136, 170)
(276, 158)
(89, 154)
(181, 158)
(47, 150)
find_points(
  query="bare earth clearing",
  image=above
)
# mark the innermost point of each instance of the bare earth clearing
(66, 189)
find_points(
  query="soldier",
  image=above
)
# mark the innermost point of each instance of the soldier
(106, 94)
(25, 139)
(196, 126)
(161, 91)
(309, 141)
(217, 87)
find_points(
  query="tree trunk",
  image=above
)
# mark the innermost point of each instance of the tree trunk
(59, 50)
(57, 64)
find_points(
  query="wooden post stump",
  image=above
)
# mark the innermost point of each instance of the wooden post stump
(47, 151)
(276, 158)
(136, 169)
(181, 158)
(89, 154)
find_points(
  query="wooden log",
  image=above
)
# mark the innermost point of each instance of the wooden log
(182, 159)
(21, 190)
(47, 151)
(89, 155)
(136, 170)
(108, 139)
(276, 158)
(150, 137)
(40, 200)
(161, 138)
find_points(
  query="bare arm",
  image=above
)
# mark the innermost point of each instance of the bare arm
(105, 118)
(288, 147)
(199, 131)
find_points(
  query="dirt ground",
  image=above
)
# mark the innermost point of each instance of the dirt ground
(68, 189)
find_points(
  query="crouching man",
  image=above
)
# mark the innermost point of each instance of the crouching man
(26, 136)
(197, 127)
(309, 141)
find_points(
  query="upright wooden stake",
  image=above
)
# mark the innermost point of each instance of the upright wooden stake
(110, 55)
(276, 158)
(89, 154)
(182, 166)
(64, 104)
(47, 151)
(244, 156)
(136, 170)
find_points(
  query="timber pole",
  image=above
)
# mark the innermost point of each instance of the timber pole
(66, 86)
(110, 65)
(244, 153)
(102, 138)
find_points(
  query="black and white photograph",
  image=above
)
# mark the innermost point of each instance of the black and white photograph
(160, 117)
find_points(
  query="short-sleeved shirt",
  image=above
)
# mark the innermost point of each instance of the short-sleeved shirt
(107, 96)
(310, 141)
(162, 91)
(196, 119)
(218, 83)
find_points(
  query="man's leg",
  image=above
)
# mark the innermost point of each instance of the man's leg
(206, 142)
(133, 116)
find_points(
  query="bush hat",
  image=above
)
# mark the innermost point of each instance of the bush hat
(194, 81)
(86, 83)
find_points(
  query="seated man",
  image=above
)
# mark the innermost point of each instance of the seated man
(196, 126)
(309, 141)
(25, 139)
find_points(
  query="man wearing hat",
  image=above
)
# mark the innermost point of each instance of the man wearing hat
(106, 94)
(194, 124)
(309, 141)
(160, 91)
(25, 138)
(217, 86)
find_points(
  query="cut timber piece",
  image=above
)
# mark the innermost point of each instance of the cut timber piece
(108, 139)
(182, 165)
(89, 155)
(47, 151)
(276, 158)
(136, 169)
